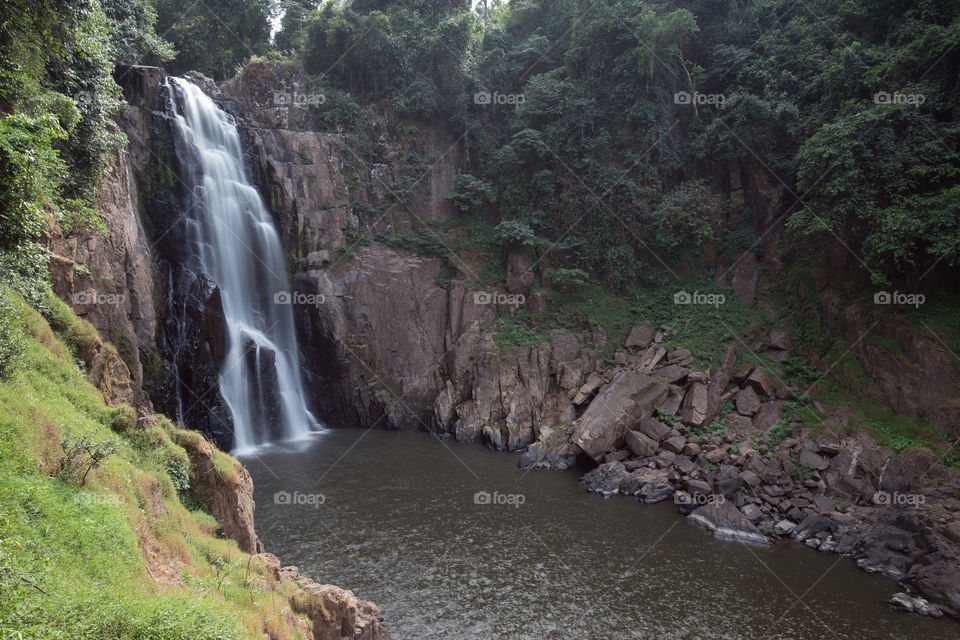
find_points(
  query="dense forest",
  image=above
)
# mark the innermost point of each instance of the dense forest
(607, 162)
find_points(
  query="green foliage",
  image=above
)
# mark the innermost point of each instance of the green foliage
(133, 36)
(216, 36)
(891, 438)
(687, 216)
(12, 339)
(470, 193)
(571, 281)
(774, 435)
(82, 455)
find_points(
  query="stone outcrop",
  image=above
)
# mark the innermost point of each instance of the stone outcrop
(334, 613)
(227, 490)
(108, 279)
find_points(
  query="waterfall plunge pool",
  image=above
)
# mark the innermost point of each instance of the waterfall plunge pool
(438, 536)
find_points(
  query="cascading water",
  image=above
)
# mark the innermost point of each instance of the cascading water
(237, 246)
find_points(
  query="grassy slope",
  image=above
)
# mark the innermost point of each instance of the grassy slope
(92, 549)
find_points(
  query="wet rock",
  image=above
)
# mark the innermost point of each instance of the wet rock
(552, 450)
(658, 491)
(727, 522)
(938, 579)
(915, 604)
(605, 479)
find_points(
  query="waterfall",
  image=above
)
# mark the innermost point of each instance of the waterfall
(234, 242)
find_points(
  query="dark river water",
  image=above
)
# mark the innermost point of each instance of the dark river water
(396, 517)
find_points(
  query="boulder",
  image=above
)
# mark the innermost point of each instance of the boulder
(752, 512)
(915, 604)
(594, 381)
(694, 410)
(759, 381)
(768, 416)
(674, 444)
(684, 465)
(605, 479)
(747, 402)
(727, 522)
(337, 614)
(519, 272)
(654, 429)
(640, 444)
(671, 374)
(694, 487)
(779, 339)
(811, 460)
(603, 423)
(784, 527)
(640, 337)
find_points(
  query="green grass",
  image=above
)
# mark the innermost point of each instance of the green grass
(72, 559)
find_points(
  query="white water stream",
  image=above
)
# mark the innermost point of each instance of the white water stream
(238, 247)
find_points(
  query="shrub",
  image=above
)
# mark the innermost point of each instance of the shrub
(12, 341)
(82, 455)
